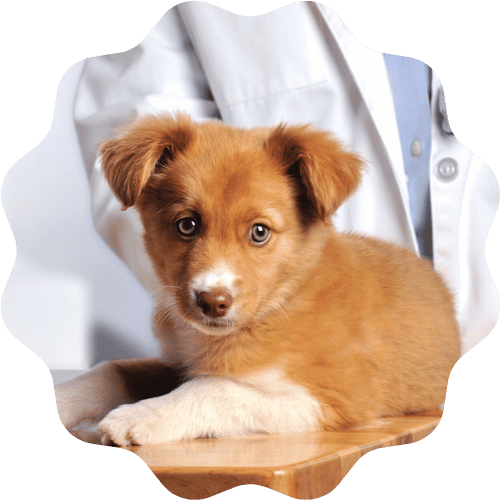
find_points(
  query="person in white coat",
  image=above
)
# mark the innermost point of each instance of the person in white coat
(300, 64)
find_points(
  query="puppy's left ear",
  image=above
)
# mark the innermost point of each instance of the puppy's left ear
(327, 173)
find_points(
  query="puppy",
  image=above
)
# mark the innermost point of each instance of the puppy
(278, 323)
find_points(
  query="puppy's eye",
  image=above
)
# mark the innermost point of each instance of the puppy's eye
(187, 226)
(260, 234)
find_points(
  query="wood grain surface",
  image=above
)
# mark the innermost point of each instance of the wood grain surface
(305, 465)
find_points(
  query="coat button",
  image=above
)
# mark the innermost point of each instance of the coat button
(416, 148)
(447, 169)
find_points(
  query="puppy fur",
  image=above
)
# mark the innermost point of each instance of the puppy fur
(281, 323)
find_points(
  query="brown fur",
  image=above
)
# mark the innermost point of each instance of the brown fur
(367, 327)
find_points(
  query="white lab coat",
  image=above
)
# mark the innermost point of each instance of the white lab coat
(297, 64)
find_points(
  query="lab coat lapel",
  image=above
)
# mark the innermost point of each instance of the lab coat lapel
(371, 77)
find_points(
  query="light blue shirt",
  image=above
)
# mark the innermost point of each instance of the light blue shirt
(410, 88)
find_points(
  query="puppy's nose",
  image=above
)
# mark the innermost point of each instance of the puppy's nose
(214, 303)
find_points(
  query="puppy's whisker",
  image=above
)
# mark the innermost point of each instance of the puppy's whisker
(158, 290)
(166, 311)
(164, 208)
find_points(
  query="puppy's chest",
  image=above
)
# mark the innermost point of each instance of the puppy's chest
(272, 380)
(269, 379)
(252, 364)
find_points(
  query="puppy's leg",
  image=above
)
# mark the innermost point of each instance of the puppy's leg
(95, 393)
(211, 407)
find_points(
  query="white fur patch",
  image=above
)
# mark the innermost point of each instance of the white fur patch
(215, 407)
(219, 276)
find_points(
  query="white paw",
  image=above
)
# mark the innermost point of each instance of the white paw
(134, 424)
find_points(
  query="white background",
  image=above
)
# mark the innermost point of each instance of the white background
(69, 298)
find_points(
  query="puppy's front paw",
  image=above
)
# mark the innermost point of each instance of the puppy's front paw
(134, 424)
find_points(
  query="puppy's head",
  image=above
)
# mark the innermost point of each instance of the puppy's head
(233, 219)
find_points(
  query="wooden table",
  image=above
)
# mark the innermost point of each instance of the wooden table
(301, 466)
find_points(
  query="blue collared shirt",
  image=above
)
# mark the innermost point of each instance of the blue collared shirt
(410, 88)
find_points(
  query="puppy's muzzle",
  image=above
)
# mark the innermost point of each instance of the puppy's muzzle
(214, 303)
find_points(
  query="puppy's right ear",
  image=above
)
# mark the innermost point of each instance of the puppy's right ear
(129, 160)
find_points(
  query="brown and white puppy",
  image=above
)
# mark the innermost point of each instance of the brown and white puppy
(280, 323)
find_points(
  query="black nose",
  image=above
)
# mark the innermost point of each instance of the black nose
(214, 303)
